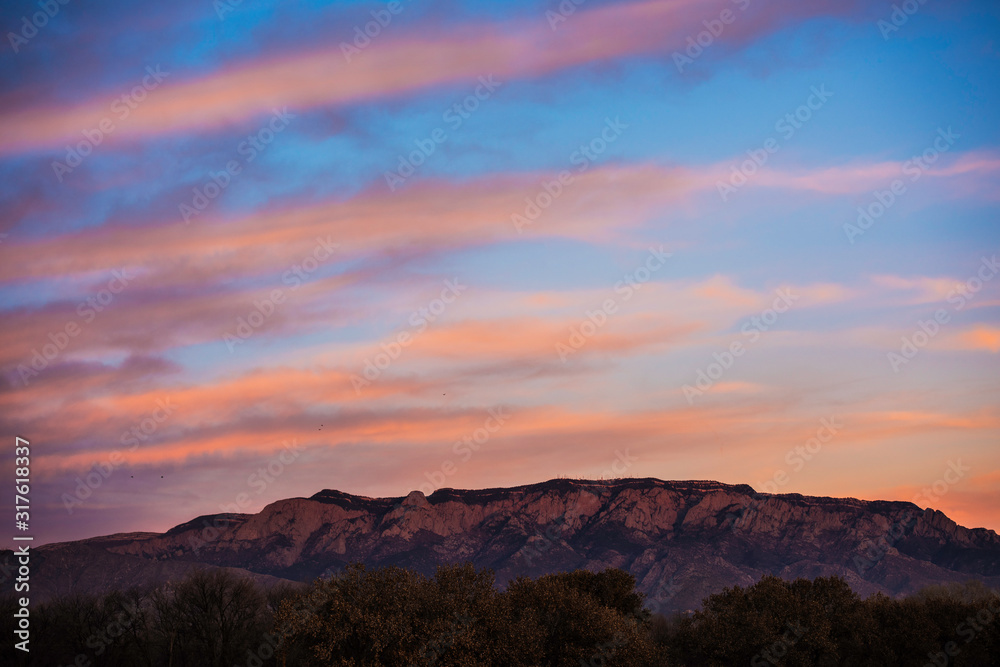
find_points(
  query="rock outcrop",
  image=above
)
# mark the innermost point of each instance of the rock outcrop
(681, 540)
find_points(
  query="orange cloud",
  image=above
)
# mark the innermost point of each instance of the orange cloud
(187, 440)
(438, 214)
(907, 421)
(928, 289)
(981, 338)
(511, 338)
(723, 290)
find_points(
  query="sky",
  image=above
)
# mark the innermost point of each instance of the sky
(255, 250)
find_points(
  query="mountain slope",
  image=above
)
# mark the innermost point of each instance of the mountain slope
(681, 540)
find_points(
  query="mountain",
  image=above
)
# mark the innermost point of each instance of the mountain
(681, 540)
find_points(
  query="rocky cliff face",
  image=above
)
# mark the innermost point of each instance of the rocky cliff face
(681, 540)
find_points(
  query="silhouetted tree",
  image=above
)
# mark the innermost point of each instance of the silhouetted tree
(393, 617)
(209, 618)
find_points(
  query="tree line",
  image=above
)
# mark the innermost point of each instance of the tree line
(391, 617)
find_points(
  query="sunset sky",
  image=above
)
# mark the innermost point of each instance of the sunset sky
(250, 252)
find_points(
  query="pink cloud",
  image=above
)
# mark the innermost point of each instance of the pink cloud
(398, 65)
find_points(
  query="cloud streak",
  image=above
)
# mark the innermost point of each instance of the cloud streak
(398, 65)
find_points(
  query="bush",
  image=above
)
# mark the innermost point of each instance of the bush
(394, 617)
(823, 623)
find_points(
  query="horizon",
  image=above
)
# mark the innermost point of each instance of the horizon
(250, 248)
(444, 489)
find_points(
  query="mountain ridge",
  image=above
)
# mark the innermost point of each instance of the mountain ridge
(682, 540)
